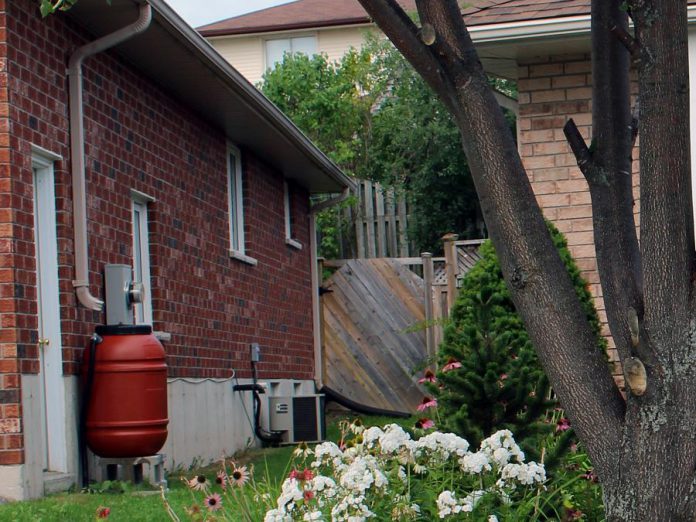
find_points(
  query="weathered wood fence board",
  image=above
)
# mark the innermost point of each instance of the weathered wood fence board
(376, 226)
(370, 353)
(382, 322)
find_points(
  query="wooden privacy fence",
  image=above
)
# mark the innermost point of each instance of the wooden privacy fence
(369, 350)
(440, 280)
(441, 276)
(376, 226)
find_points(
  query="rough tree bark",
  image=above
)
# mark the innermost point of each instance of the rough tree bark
(644, 446)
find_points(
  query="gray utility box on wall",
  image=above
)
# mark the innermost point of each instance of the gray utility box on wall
(301, 418)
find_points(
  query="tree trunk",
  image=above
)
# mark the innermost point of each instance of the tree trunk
(643, 447)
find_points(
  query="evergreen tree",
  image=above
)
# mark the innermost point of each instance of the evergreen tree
(490, 377)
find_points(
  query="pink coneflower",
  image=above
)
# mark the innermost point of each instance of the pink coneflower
(452, 364)
(213, 502)
(425, 424)
(199, 483)
(238, 476)
(428, 376)
(563, 424)
(427, 402)
(221, 479)
(103, 512)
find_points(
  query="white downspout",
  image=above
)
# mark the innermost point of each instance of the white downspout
(316, 282)
(77, 149)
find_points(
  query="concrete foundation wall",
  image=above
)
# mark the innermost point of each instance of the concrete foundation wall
(208, 420)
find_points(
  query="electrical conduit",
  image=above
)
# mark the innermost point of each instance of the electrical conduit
(77, 149)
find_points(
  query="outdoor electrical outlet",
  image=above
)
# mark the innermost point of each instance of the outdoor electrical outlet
(255, 352)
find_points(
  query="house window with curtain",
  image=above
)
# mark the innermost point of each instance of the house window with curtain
(276, 48)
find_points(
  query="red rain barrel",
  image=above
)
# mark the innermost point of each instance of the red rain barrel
(127, 410)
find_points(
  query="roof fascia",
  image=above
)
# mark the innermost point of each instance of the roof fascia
(264, 107)
(275, 33)
(543, 28)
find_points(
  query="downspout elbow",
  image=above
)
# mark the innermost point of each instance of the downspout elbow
(77, 149)
(315, 209)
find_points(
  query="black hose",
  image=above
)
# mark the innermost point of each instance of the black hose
(333, 395)
(268, 437)
(86, 396)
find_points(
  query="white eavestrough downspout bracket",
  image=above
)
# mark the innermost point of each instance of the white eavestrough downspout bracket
(77, 149)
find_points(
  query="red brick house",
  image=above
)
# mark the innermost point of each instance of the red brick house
(193, 178)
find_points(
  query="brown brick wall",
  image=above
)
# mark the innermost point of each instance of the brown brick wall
(137, 137)
(552, 90)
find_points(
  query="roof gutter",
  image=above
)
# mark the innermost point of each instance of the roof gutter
(77, 149)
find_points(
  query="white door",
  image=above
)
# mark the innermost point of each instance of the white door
(50, 349)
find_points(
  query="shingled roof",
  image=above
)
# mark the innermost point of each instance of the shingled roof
(305, 14)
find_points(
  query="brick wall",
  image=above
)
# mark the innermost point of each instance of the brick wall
(552, 90)
(139, 138)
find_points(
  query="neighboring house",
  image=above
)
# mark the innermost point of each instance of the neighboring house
(192, 177)
(256, 41)
(543, 45)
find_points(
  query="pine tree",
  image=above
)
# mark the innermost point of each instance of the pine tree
(500, 383)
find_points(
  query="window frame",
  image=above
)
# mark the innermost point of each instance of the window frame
(287, 207)
(235, 206)
(289, 38)
(141, 245)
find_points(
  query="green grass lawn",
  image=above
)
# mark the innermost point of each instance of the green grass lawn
(134, 504)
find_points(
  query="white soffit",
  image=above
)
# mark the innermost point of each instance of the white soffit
(500, 46)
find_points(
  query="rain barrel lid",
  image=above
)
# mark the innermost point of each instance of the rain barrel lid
(124, 329)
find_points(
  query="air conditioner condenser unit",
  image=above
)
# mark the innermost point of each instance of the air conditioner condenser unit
(300, 418)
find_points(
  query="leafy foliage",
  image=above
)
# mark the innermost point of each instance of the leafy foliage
(500, 384)
(48, 7)
(378, 120)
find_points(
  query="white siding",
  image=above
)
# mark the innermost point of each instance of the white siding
(336, 42)
(207, 419)
(244, 53)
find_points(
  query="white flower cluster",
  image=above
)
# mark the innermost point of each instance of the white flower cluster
(448, 504)
(443, 445)
(526, 474)
(501, 448)
(348, 485)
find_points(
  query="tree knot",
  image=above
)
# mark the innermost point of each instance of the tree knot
(519, 278)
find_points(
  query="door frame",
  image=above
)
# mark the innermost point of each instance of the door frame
(54, 422)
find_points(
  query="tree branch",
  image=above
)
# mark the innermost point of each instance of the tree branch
(539, 284)
(609, 172)
(407, 37)
(667, 229)
(577, 144)
(631, 44)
